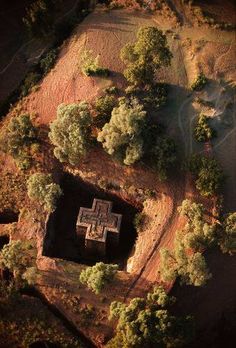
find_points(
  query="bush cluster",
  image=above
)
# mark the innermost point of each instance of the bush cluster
(186, 260)
(199, 83)
(47, 62)
(96, 277)
(148, 322)
(42, 188)
(17, 256)
(145, 56)
(209, 175)
(227, 238)
(152, 96)
(18, 138)
(70, 132)
(203, 131)
(122, 136)
(89, 65)
(103, 108)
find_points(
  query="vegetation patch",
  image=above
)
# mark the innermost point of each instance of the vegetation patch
(43, 189)
(203, 132)
(186, 260)
(209, 175)
(103, 108)
(97, 276)
(89, 65)
(146, 56)
(20, 140)
(199, 83)
(69, 133)
(148, 322)
(122, 136)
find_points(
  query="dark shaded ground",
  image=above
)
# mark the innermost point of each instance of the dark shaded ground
(63, 241)
(8, 217)
(214, 305)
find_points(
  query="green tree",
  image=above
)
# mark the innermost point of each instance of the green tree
(199, 83)
(209, 175)
(163, 156)
(227, 240)
(148, 54)
(197, 233)
(203, 131)
(69, 133)
(89, 64)
(145, 322)
(97, 276)
(122, 136)
(41, 187)
(17, 256)
(103, 108)
(186, 260)
(191, 268)
(17, 139)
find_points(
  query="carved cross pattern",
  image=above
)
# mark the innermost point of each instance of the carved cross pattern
(99, 220)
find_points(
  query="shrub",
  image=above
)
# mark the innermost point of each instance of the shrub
(17, 139)
(96, 277)
(122, 136)
(145, 56)
(153, 96)
(17, 256)
(191, 268)
(199, 83)
(203, 131)
(163, 156)
(69, 133)
(32, 78)
(209, 175)
(227, 240)
(90, 65)
(139, 221)
(47, 63)
(103, 107)
(111, 90)
(41, 187)
(145, 322)
(186, 260)
(197, 234)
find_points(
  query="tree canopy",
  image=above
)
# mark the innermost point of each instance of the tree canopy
(186, 260)
(69, 133)
(122, 135)
(17, 256)
(41, 187)
(227, 239)
(145, 56)
(145, 322)
(97, 276)
(209, 175)
(17, 138)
